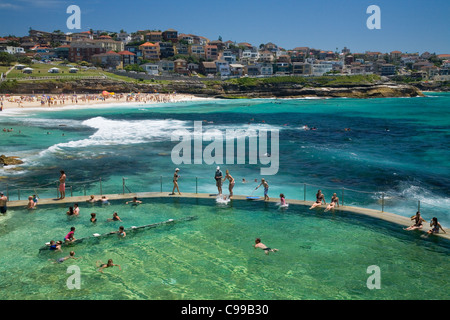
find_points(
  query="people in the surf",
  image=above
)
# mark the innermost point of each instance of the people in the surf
(333, 203)
(218, 176)
(175, 182)
(320, 198)
(231, 182)
(259, 244)
(435, 226)
(135, 201)
(102, 265)
(418, 222)
(266, 188)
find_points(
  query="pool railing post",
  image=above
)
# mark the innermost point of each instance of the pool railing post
(7, 192)
(304, 192)
(160, 180)
(101, 189)
(84, 189)
(18, 194)
(342, 196)
(382, 202)
(418, 206)
(71, 191)
(123, 185)
(196, 185)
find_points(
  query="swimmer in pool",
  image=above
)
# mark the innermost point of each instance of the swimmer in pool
(134, 201)
(102, 265)
(70, 256)
(91, 199)
(70, 237)
(282, 200)
(259, 244)
(93, 217)
(115, 217)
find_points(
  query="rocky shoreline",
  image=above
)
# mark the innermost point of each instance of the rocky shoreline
(219, 89)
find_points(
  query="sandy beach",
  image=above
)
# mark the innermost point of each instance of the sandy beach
(64, 100)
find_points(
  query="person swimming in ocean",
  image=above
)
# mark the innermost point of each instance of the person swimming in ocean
(259, 244)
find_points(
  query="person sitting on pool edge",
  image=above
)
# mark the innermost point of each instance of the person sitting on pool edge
(259, 244)
(418, 222)
(319, 199)
(435, 226)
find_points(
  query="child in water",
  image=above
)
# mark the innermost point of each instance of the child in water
(259, 244)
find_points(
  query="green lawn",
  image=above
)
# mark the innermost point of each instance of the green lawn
(41, 70)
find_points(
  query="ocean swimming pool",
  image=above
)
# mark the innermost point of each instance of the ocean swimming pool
(321, 255)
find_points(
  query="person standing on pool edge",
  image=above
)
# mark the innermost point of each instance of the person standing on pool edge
(218, 176)
(266, 188)
(62, 184)
(3, 200)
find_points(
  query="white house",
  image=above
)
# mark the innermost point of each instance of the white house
(151, 69)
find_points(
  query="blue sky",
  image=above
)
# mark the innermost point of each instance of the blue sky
(406, 25)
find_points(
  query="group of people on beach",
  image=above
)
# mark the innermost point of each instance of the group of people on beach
(74, 99)
(320, 199)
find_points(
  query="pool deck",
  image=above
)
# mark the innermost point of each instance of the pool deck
(386, 216)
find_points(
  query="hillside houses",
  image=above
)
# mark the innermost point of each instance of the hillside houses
(170, 52)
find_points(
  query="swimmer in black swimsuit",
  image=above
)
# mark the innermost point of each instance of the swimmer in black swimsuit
(175, 182)
(319, 199)
(418, 222)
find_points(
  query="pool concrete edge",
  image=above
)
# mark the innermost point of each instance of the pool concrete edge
(386, 216)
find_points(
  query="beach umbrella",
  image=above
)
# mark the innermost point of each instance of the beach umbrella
(105, 93)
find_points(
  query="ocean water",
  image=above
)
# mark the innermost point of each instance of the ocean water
(396, 149)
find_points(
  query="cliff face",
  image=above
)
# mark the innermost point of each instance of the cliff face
(217, 89)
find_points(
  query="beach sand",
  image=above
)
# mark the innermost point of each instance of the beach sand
(55, 101)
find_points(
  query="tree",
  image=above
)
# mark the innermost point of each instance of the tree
(6, 58)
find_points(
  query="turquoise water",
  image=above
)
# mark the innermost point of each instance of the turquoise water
(321, 256)
(396, 148)
(408, 163)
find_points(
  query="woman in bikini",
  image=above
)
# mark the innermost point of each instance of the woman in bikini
(175, 181)
(333, 203)
(319, 199)
(231, 180)
(435, 226)
(418, 222)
